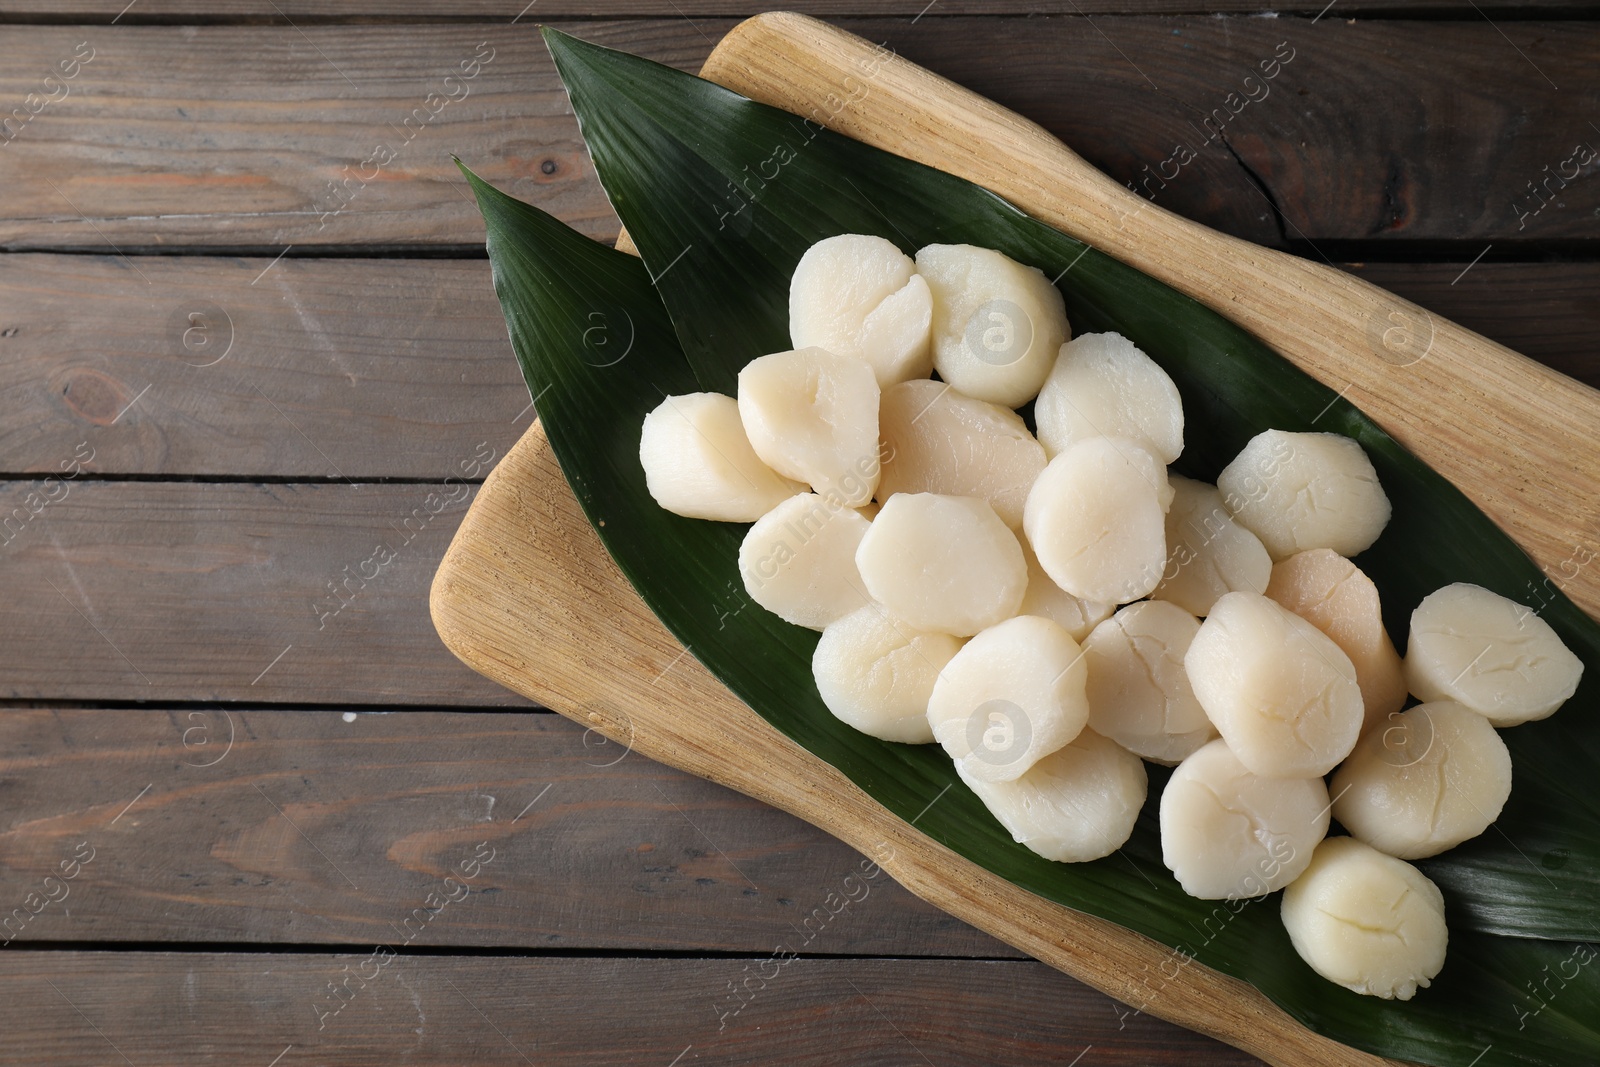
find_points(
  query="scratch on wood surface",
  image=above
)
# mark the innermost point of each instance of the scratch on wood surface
(416, 1002)
(213, 216)
(485, 803)
(313, 327)
(72, 573)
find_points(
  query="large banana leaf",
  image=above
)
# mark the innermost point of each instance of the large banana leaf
(687, 164)
(667, 147)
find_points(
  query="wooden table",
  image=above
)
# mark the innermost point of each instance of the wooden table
(251, 811)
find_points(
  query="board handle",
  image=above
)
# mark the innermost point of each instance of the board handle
(1518, 438)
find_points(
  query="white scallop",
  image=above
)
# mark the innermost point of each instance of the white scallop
(1332, 594)
(935, 440)
(997, 324)
(1096, 519)
(1297, 491)
(1228, 834)
(1077, 804)
(858, 295)
(1425, 780)
(1011, 696)
(698, 462)
(945, 564)
(1103, 385)
(812, 416)
(1208, 554)
(1280, 692)
(876, 673)
(1044, 597)
(1139, 694)
(1494, 655)
(798, 561)
(1366, 921)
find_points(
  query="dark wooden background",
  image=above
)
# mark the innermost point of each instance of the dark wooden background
(272, 763)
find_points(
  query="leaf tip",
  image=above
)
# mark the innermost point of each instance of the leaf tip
(475, 183)
(559, 44)
(568, 50)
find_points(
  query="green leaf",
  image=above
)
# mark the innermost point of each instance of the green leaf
(552, 284)
(667, 147)
(686, 162)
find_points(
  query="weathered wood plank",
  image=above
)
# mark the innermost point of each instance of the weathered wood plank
(588, 845)
(400, 368)
(267, 136)
(194, 591)
(271, 136)
(393, 368)
(1369, 130)
(99, 1007)
(305, 12)
(1547, 311)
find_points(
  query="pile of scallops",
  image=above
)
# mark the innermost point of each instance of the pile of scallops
(1053, 607)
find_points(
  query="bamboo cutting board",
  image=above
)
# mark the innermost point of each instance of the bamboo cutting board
(527, 595)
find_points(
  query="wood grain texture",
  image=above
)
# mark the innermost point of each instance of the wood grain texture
(272, 136)
(525, 568)
(1424, 379)
(396, 368)
(1547, 311)
(1379, 130)
(310, 12)
(593, 847)
(218, 1008)
(195, 591)
(260, 137)
(402, 368)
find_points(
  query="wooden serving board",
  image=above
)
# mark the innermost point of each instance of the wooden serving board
(527, 595)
